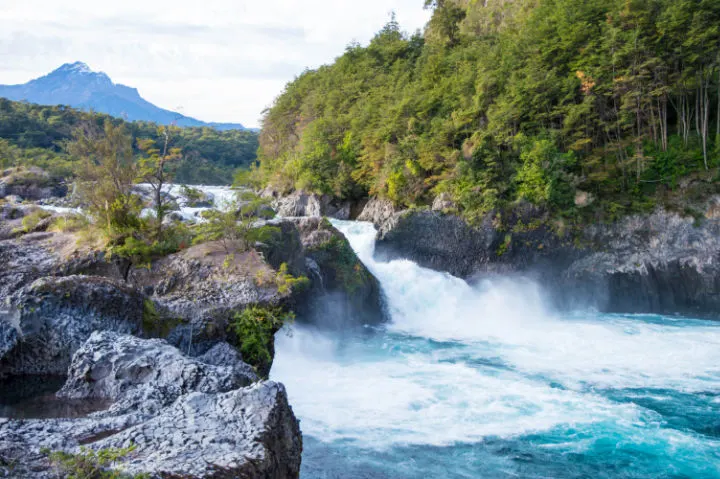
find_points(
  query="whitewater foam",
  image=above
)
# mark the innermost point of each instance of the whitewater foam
(461, 363)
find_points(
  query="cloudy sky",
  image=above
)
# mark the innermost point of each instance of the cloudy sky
(217, 60)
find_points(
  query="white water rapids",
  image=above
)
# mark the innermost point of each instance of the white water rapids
(460, 364)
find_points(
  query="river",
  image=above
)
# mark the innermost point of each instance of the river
(486, 381)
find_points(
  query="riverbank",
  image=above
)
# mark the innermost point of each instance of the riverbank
(185, 339)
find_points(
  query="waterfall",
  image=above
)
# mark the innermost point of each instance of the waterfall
(485, 380)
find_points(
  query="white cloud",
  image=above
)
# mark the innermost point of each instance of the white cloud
(221, 60)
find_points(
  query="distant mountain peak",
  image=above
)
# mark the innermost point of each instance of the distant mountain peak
(77, 67)
(81, 72)
(78, 85)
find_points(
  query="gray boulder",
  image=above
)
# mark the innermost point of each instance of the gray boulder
(184, 417)
(148, 374)
(311, 205)
(250, 432)
(377, 211)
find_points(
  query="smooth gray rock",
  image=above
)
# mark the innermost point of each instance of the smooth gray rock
(377, 211)
(310, 205)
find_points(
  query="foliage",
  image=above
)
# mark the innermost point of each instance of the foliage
(286, 282)
(36, 135)
(254, 328)
(234, 226)
(106, 177)
(32, 220)
(193, 195)
(155, 169)
(223, 226)
(503, 101)
(92, 464)
(70, 223)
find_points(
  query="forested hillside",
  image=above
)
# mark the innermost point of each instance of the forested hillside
(613, 101)
(36, 135)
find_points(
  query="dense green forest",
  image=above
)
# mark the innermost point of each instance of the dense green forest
(503, 100)
(37, 135)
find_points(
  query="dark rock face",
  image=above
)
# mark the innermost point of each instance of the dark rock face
(286, 247)
(343, 288)
(186, 418)
(447, 243)
(658, 263)
(53, 317)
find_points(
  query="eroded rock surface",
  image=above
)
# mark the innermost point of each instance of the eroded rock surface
(184, 417)
(52, 317)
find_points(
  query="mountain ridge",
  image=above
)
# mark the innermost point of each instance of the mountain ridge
(78, 86)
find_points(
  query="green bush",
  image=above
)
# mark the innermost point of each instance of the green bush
(254, 328)
(31, 221)
(71, 223)
(286, 282)
(91, 464)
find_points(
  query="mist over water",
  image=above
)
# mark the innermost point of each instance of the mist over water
(485, 380)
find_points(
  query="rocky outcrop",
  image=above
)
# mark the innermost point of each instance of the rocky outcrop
(447, 243)
(203, 287)
(183, 417)
(344, 292)
(30, 184)
(47, 321)
(37, 255)
(312, 205)
(661, 263)
(377, 211)
(145, 375)
(24, 260)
